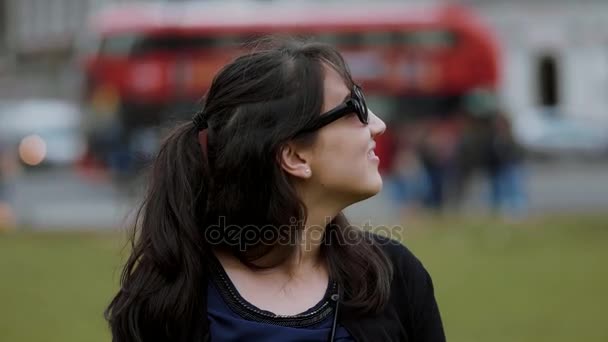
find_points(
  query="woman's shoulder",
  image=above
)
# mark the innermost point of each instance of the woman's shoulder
(405, 263)
(412, 291)
(394, 249)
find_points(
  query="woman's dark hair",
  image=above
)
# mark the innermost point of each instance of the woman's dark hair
(255, 105)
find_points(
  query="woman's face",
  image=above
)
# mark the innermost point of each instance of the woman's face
(344, 163)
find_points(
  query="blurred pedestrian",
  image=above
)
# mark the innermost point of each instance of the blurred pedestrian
(9, 168)
(488, 145)
(408, 184)
(437, 150)
(506, 170)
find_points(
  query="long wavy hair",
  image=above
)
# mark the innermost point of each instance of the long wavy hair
(255, 105)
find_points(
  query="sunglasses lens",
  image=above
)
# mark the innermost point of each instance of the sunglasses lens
(361, 106)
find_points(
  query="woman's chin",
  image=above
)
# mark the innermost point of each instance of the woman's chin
(371, 188)
(377, 186)
(376, 180)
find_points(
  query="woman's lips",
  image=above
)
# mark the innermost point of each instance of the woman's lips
(371, 155)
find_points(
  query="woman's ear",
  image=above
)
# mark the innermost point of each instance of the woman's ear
(296, 161)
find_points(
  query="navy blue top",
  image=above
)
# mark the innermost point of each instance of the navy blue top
(232, 318)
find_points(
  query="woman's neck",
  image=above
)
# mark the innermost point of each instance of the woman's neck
(308, 254)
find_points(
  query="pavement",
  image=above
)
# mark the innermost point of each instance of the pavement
(62, 199)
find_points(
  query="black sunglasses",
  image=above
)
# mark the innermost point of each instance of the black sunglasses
(355, 104)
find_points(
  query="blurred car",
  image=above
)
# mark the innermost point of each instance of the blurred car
(43, 131)
(561, 136)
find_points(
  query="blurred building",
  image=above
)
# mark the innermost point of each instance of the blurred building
(555, 55)
(37, 43)
(3, 35)
(43, 26)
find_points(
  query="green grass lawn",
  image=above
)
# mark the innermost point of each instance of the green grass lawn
(540, 280)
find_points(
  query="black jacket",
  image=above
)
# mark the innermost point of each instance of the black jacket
(411, 314)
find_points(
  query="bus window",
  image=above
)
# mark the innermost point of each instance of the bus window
(174, 43)
(246, 39)
(378, 38)
(421, 106)
(429, 38)
(385, 107)
(350, 39)
(327, 38)
(117, 45)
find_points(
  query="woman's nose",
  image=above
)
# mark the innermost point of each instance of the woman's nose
(376, 125)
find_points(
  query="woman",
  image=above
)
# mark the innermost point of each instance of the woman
(241, 236)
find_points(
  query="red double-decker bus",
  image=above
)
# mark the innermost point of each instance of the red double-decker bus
(152, 62)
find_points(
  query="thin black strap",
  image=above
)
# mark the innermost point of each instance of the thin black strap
(336, 298)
